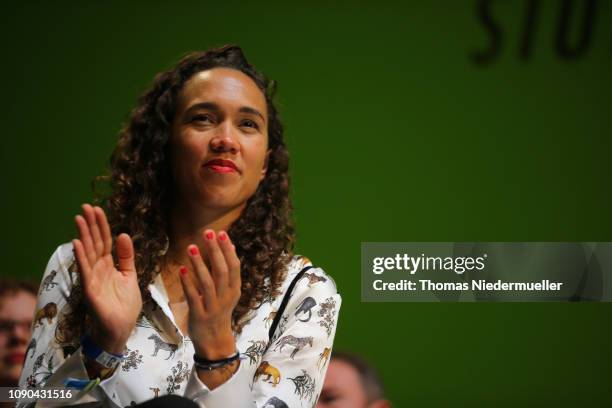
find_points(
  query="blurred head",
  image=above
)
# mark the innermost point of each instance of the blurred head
(351, 383)
(17, 307)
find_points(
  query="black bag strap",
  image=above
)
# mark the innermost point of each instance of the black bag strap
(285, 300)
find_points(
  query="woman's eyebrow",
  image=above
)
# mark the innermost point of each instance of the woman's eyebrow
(247, 109)
(204, 105)
(215, 107)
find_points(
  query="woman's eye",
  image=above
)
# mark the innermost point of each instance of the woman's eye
(250, 124)
(201, 118)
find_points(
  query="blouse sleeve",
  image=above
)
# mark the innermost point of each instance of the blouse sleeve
(45, 362)
(292, 369)
(293, 366)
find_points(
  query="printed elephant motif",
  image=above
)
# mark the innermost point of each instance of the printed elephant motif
(306, 307)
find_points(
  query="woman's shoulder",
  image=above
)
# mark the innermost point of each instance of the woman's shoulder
(305, 277)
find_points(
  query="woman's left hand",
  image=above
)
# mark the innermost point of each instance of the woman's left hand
(212, 294)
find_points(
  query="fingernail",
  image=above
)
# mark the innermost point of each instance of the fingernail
(193, 250)
(222, 236)
(210, 235)
(183, 270)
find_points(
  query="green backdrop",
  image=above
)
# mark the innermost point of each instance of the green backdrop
(396, 133)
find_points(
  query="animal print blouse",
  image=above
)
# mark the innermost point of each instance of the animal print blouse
(285, 371)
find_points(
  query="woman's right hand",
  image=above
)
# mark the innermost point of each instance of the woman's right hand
(112, 293)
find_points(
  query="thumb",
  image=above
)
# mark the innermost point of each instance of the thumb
(125, 253)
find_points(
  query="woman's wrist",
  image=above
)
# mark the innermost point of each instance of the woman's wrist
(216, 349)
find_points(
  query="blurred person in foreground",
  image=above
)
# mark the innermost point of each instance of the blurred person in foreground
(351, 383)
(17, 304)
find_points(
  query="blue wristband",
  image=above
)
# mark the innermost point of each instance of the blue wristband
(92, 351)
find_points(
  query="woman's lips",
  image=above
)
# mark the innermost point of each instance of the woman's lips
(220, 169)
(221, 166)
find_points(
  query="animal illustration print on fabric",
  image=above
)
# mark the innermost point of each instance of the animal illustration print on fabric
(255, 350)
(146, 323)
(313, 278)
(297, 342)
(306, 308)
(270, 318)
(39, 371)
(327, 311)
(31, 346)
(323, 357)
(132, 359)
(47, 284)
(180, 372)
(273, 375)
(280, 329)
(304, 385)
(49, 311)
(275, 403)
(159, 344)
(303, 261)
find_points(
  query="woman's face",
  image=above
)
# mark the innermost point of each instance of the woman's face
(219, 142)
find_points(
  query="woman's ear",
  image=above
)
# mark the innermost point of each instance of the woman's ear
(265, 167)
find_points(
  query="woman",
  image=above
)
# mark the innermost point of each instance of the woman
(202, 258)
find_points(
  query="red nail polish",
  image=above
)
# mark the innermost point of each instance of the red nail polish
(183, 270)
(193, 250)
(222, 236)
(210, 235)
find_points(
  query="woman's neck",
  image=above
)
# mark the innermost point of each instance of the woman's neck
(187, 226)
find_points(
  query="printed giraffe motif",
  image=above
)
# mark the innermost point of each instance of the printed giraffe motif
(304, 385)
(275, 403)
(270, 318)
(49, 311)
(298, 343)
(306, 308)
(255, 350)
(313, 278)
(47, 284)
(159, 344)
(327, 311)
(273, 375)
(155, 391)
(323, 357)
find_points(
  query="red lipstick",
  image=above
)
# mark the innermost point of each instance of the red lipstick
(221, 166)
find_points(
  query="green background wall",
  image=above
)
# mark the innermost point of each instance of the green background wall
(395, 135)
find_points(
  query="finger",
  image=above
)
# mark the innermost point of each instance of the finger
(125, 254)
(191, 293)
(85, 237)
(203, 276)
(218, 265)
(84, 268)
(90, 216)
(104, 230)
(231, 258)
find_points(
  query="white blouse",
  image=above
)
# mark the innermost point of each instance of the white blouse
(286, 371)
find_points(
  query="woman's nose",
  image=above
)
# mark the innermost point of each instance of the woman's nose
(225, 140)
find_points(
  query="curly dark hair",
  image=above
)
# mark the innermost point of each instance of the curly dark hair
(140, 189)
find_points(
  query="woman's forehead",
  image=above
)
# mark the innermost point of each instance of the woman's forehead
(222, 86)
